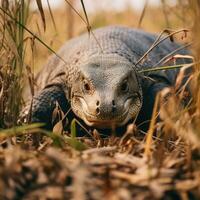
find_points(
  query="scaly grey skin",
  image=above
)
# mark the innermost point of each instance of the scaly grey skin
(100, 81)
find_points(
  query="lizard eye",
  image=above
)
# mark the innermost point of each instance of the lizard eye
(124, 86)
(86, 86)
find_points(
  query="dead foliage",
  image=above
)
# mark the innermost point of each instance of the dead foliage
(111, 168)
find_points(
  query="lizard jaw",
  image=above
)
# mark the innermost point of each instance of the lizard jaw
(130, 111)
(92, 120)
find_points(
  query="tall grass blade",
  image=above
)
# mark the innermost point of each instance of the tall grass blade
(167, 67)
(52, 17)
(150, 132)
(39, 4)
(86, 16)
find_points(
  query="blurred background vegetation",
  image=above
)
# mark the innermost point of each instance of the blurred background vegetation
(152, 16)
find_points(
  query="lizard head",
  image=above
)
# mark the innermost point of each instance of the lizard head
(106, 92)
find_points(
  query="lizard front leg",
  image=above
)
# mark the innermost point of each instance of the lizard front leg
(45, 102)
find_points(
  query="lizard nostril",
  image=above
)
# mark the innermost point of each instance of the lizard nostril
(97, 103)
(113, 106)
(113, 102)
(97, 111)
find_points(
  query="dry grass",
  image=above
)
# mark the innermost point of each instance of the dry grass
(163, 163)
(113, 168)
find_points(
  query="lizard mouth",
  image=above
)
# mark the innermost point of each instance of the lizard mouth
(108, 120)
(92, 120)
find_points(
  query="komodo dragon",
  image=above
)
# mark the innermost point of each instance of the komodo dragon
(100, 80)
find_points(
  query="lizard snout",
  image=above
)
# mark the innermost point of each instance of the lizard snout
(105, 109)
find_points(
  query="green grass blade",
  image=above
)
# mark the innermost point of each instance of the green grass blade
(167, 67)
(73, 128)
(18, 130)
